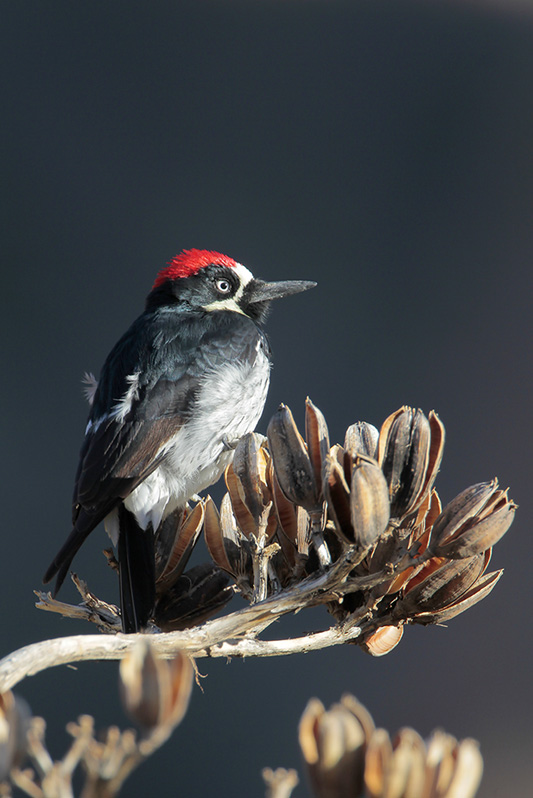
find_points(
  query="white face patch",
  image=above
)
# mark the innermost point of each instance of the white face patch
(232, 303)
(224, 304)
(245, 276)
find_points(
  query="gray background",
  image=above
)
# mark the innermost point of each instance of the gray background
(384, 149)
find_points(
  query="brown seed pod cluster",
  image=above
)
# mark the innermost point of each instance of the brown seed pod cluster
(347, 756)
(367, 511)
(306, 505)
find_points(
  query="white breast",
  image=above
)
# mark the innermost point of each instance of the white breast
(228, 406)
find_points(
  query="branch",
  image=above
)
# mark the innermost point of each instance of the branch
(37, 657)
(379, 537)
(215, 638)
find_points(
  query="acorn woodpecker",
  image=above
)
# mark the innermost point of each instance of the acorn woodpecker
(177, 391)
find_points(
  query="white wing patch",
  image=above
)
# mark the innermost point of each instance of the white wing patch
(123, 406)
(90, 384)
(119, 410)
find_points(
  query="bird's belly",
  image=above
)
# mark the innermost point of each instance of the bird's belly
(228, 406)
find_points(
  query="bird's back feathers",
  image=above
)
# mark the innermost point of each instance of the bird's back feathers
(146, 392)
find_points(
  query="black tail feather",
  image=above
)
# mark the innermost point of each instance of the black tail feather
(137, 572)
(85, 523)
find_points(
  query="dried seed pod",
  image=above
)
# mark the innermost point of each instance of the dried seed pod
(155, 692)
(403, 454)
(249, 484)
(293, 520)
(344, 459)
(441, 762)
(436, 449)
(188, 528)
(338, 498)
(360, 712)
(382, 641)
(317, 437)
(224, 540)
(234, 541)
(333, 746)
(214, 538)
(292, 464)
(243, 516)
(378, 760)
(295, 471)
(313, 712)
(348, 759)
(406, 774)
(427, 514)
(473, 522)
(480, 590)
(463, 508)
(468, 770)
(361, 439)
(193, 598)
(15, 718)
(439, 584)
(369, 502)
(250, 463)
(481, 536)
(166, 537)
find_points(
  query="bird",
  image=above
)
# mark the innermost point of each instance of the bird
(177, 391)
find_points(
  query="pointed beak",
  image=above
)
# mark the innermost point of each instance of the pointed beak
(259, 291)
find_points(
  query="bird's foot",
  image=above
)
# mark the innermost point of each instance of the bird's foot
(229, 444)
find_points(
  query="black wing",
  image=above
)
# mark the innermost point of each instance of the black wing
(161, 362)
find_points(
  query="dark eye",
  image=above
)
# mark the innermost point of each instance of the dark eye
(223, 286)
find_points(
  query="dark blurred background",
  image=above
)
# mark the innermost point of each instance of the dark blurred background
(384, 149)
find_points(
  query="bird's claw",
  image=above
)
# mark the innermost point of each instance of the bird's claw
(229, 445)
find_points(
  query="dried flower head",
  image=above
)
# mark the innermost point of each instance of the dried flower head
(333, 745)
(346, 755)
(155, 692)
(473, 522)
(15, 716)
(402, 559)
